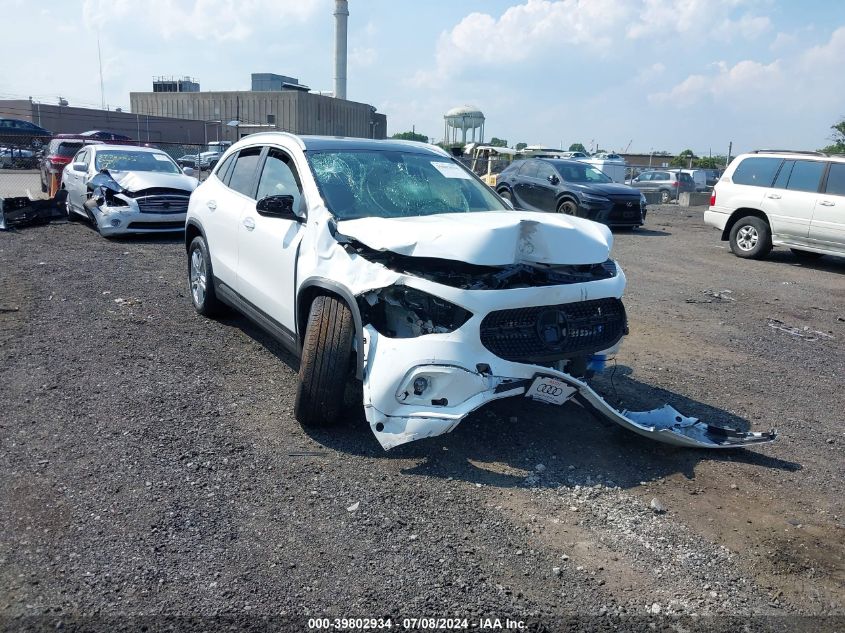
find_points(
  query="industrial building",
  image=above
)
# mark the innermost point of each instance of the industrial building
(276, 102)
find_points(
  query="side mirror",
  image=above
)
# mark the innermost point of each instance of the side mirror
(79, 167)
(277, 207)
(188, 171)
(554, 179)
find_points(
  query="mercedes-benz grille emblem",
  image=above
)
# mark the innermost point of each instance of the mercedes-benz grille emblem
(630, 204)
(549, 390)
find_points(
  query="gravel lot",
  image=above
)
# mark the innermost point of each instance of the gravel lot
(150, 463)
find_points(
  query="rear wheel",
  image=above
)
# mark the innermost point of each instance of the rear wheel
(326, 362)
(504, 193)
(751, 238)
(806, 255)
(568, 207)
(201, 279)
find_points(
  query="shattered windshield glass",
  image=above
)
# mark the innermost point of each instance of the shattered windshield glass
(128, 160)
(392, 184)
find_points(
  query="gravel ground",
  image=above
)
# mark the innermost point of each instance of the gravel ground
(150, 464)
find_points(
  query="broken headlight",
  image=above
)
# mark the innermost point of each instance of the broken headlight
(403, 312)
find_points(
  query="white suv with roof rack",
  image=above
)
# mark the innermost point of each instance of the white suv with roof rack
(781, 198)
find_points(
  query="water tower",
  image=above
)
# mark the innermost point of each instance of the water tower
(460, 121)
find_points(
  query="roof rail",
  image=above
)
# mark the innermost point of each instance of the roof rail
(787, 151)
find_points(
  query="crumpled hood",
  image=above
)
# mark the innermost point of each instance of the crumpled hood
(139, 180)
(493, 238)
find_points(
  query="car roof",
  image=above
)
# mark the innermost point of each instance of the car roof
(125, 148)
(560, 161)
(787, 153)
(323, 143)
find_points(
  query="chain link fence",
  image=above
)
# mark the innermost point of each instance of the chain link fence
(32, 167)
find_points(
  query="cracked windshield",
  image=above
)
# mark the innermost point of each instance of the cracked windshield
(357, 184)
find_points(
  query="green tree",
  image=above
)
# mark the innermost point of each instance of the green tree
(498, 142)
(411, 136)
(838, 138)
(577, 147)
(683, 159)
(520, 146)
(710, 162)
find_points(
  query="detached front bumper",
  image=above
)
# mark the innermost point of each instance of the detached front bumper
(423, 387)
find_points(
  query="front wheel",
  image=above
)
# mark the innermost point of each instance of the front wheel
(326, 362)
(201, 279)
(506, 195)
(665, 196)
(751, 238)
(568, 207)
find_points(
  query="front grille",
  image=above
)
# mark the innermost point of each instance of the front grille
(547, 333)
(622, 212)
(163, 204)
(168, 226)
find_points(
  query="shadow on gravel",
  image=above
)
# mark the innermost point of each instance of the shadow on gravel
(828, 263)
(640, 231)
(501, 444)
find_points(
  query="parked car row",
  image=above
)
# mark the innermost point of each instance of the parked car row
(390, 266)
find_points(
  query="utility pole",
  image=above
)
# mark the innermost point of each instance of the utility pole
(730, 149)
(100, 59)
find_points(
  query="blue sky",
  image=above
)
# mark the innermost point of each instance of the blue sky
(658, 74)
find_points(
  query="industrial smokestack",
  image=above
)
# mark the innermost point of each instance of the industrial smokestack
(341, 13)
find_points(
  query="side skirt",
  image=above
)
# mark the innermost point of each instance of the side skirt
(255, 314)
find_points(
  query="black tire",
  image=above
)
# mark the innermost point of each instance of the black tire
(326, 362)
(665, 196)
(504, 193)
(205, 302)
(568, 207)
(751, 238)
(807, 256)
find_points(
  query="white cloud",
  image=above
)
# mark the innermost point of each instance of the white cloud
(695, 18)
(362, 56)
(791, 83)
(216, 20)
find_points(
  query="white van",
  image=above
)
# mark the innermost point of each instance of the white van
(699, 177)
(781, 198)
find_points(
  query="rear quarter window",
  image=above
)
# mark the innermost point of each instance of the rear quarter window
(757, 171)
(836, 179)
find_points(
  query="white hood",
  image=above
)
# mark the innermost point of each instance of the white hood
(139, 180)
(493, 238)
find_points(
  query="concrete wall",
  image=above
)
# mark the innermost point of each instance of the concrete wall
(72, 120)
(294, 111)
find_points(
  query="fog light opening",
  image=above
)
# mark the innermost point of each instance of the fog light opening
(115, 223)
(420, 385)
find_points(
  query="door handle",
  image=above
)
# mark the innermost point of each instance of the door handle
(249, 223)
(211, 204)
(774, 196)
(827, 203)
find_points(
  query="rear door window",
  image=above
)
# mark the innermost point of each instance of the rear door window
(758, 171)
(836, 180)
(806, 175)
(223, 168)
(242, 179)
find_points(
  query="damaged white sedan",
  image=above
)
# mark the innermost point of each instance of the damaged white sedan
(123, 189)
(389, 263)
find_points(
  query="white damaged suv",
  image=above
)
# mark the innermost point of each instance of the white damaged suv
(389, 265)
